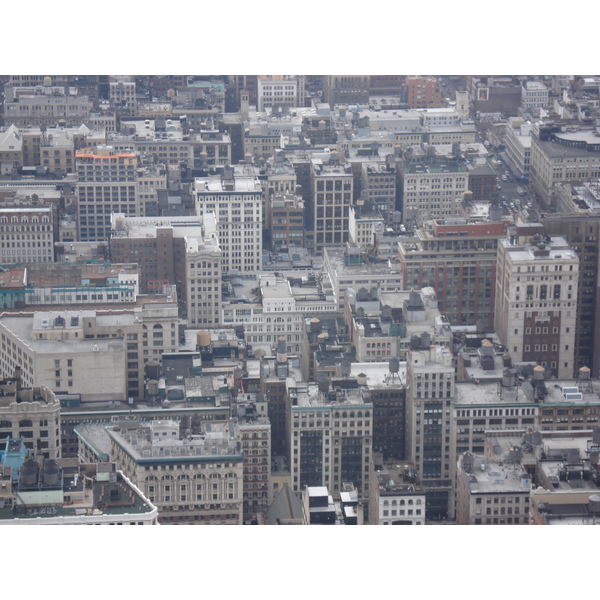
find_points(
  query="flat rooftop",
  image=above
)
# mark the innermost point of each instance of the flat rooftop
(493, 478)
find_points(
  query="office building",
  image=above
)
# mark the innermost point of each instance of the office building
(561, 154)
(197, 481)
(577, 220)
(490, 492)
(430, 394)
(537, 280)
(27, 234)
(331, 198)
(432, 188)
(237, 204)
(456, 257)
(31, 414)
(107, 184)
(396, 497)
(330, 437)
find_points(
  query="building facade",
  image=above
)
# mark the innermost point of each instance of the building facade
(536, 298)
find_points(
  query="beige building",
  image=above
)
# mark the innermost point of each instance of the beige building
(27, 234)
(31, 413)
(97, 355)
(561, 155)
(491, 493)
(192, 481)
(396, 497)
(537, 280)
(433, 188)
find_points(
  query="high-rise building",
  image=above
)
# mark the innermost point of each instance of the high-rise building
(181, 251)
(237, 204)
(107, 184)
(433, 188)
(579, 222)
(330, 437)
(458, 259)
(537, 279)
(430, 393)
(331, 198)
(27, 234)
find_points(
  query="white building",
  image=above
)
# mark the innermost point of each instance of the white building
(433, 188)
(396, 497)
(534, 95)
(279, 91)
(237, 203)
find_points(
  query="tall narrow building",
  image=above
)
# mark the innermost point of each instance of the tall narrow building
(237, 204)
(107, 184)
(430, 394)
(537, 280)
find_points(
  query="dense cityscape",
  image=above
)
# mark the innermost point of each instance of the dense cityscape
(299, 299)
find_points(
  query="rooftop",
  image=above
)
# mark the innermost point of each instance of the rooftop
(489, 477)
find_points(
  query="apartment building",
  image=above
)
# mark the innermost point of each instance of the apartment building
(536, 298)
(255, 437)
(424, 92)
(236, 202)
(181, 251)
